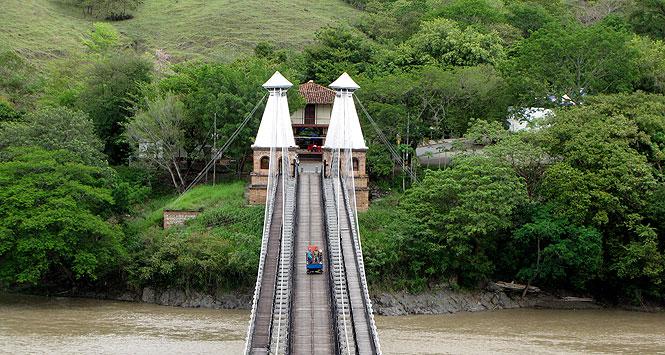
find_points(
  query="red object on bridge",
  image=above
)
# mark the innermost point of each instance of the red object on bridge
(314, 148)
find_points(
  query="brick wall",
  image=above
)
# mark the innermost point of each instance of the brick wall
(257, 191)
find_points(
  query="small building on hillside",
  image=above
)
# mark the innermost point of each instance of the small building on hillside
(310, 123)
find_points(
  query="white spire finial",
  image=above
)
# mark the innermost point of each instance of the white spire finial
(277, 81)
(344, 82)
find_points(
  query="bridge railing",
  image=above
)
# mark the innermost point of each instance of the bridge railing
(353, 218)
(347, 185)
(281, 300)
(296, 173)
(270, 199)
(339, 273)
(331, 279)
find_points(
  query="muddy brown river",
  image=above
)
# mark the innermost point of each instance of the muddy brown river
(36, 325)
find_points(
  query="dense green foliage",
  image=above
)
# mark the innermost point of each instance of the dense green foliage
(109, 85)
(648, 17)
(55, 128)
(576, 204)
(217, 250)
(575, 60)
(569, 206)
(157, 131)
(53, 218)
(108, 9)
(451, 219)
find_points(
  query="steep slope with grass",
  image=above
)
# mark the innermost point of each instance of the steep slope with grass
(219, 250)
(208, 29)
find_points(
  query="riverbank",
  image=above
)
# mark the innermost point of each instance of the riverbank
(447, 300)
(442, 300)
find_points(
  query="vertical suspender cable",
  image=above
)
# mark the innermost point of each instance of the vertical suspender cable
(281, 277)
(220, 152)
(386, 142)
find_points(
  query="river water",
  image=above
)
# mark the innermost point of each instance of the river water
(79, 326)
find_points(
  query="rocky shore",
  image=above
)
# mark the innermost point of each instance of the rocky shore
(447, 300)
(442, 300)
(180, 298)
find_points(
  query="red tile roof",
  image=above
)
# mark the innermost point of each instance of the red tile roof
(316, 94)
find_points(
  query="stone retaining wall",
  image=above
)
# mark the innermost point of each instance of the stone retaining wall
(172, 217)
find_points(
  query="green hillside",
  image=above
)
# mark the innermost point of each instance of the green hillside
(216, 29)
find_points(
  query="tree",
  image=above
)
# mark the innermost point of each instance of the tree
(434, 102)
(443, 42)
(521, 150)
(606, 178)
(449, 100)
(54, 128)
(227, 91)
(566, 255)
(53, 225)
(650, 64)
(110, 85)
(648, 17)
(337, 50)
(644, 113)
(393, 21)
(455, 216)
(572, 60)
(114, 10)
(379, 162)
(588, 12)
(528, 17)
(158, 134)
(474, 12)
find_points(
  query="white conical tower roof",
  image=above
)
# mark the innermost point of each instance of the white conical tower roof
(277, 81)
(344, 82)
(275, 129)
(344, 129)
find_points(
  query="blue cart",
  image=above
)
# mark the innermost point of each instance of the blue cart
(314, 268)
(314, 258)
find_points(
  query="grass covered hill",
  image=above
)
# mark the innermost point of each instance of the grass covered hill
(213, 29)
(217, 250)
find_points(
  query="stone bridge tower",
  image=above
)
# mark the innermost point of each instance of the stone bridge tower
(274, 134)
(345, 133)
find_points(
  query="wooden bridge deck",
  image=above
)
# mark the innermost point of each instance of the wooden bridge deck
(320, 306)
(262, 323)
(360, 318)
(312, 328)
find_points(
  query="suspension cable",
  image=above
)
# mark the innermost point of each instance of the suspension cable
(338, 186)
(226, 145)
(386, 142)
(284, 173)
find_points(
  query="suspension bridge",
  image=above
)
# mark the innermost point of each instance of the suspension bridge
(310, 203)
(307, 204)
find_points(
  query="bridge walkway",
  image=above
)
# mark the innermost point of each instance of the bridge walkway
(364, 338)
(312, 330)
(261, 335)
